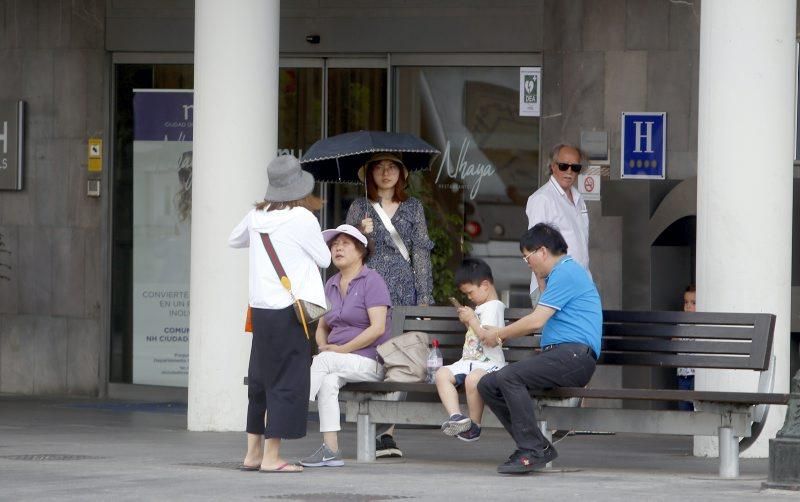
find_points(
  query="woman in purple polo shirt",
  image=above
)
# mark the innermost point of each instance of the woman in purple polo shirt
(347, 336)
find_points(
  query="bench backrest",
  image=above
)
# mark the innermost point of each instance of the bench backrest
(630, 338)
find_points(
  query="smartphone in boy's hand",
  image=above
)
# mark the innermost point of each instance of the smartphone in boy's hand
(455, 303)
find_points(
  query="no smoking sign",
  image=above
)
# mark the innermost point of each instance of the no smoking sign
(589, 186)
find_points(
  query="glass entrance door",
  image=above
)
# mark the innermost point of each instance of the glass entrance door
(357, 91)
(317, 98)
(299, 105)
(164, 202)
(325, 97)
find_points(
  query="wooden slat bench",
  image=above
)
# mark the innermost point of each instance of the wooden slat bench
(654, 339)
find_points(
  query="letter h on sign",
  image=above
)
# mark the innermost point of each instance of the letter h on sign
(644, 145)
(647, 136)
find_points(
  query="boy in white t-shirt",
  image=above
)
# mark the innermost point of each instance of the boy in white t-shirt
(474, 279)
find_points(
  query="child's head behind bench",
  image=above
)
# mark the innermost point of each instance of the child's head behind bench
(474, 279)
(690, 298)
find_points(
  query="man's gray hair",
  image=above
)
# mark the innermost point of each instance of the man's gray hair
(556, 149)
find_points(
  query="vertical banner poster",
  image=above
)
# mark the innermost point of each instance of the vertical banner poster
(530, 91)
(644, 145)
(162, 195)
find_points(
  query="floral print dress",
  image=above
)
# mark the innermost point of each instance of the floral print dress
(409, 283)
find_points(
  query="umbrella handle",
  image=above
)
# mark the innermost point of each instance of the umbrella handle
(338, 169)
(366, 195)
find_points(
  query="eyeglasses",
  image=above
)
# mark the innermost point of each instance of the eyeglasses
(563, 166)
(525, 258)
(386, 166)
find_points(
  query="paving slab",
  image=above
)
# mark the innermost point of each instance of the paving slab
(58, 449)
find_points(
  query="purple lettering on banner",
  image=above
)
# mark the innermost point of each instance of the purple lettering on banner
(163, 115)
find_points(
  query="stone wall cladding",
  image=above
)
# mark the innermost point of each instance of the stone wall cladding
(53, 57)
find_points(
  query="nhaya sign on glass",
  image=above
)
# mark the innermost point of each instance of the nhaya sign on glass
(644, 145)
(12, 115)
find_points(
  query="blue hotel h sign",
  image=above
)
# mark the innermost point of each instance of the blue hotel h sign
(644, 145)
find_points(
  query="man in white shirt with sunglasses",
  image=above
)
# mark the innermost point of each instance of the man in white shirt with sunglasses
(559, 203)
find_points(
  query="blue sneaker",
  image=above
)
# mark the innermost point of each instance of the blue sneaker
(456, 424)
(471, 434)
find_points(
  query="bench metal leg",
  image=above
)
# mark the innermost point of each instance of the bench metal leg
(365, 439)
(728, 453)
(542, 424)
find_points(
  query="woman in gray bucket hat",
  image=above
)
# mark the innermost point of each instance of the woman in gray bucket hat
(280, 354)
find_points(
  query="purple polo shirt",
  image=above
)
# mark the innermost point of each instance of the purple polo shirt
(348, 316)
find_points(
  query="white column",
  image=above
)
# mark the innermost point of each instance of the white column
(744, 182)
(235, 136)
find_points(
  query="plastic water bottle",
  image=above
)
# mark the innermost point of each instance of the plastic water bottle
(434, 361)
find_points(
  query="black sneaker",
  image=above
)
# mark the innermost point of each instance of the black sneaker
(385, 447)
(471, 434)
(525, 461)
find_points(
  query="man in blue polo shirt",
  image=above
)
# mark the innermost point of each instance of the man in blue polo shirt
(571, 319)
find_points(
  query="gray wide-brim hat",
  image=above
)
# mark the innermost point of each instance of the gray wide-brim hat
(287, 181)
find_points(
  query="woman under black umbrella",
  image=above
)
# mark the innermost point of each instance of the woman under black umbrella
(395, 222)
(403, 259)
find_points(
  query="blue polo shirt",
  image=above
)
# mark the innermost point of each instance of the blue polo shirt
(579, 315)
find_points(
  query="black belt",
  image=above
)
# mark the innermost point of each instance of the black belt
(579, 347)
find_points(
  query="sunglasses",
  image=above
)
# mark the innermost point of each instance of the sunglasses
(563, 166)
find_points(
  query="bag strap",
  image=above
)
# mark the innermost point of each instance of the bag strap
(387, 222)
(273, 257)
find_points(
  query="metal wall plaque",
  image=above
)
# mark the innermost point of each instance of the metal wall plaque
(595, 145)
(644, 145)
(12, 131)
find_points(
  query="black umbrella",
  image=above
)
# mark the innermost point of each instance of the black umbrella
(339, 157)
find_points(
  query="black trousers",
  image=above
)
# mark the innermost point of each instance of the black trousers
(279, 375)
(506, 391)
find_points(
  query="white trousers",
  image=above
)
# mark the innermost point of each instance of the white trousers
(329, 372)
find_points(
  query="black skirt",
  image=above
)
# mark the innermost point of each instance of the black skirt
(278, 376)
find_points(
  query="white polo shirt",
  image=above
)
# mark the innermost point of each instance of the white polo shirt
(549, 204)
